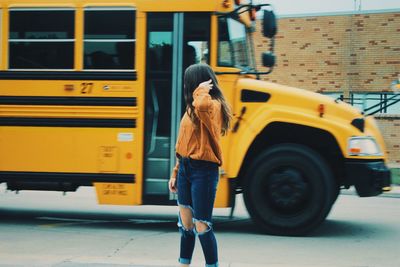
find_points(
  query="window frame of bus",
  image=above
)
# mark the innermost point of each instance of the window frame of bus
(132, 56)
(41, 40)
(233, 60)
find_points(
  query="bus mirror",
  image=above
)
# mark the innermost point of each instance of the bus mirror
(268, 59)
(269, 24)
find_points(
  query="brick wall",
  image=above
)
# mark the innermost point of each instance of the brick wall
(390, 127)
(350, 52)
(340, 53)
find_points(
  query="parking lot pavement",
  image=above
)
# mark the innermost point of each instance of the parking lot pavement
(151, 264)
(43, 229)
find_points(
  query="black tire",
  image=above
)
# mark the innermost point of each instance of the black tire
(336, 193)
(289, 190)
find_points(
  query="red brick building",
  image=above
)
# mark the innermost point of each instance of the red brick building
(354, 54)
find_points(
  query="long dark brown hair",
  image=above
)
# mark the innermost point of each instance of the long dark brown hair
(196, 74)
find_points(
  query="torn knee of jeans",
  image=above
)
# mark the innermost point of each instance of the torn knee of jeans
(186, 206)
(186, 232)
(209, 226)
(183, 227)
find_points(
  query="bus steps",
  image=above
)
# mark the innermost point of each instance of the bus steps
(157, 168)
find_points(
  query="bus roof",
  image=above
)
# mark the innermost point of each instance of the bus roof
(142, 5)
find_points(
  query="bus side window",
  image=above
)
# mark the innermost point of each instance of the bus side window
(109, 38)
(41, 38)
(196, 38)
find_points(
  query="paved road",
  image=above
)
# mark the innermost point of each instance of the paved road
(48, 229)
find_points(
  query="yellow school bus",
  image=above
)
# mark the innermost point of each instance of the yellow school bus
(91, 95)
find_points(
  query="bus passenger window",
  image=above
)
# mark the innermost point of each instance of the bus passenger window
(109, 39)
(196, 38)
(41, 38)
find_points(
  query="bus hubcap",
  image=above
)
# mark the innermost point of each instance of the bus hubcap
(287, 189)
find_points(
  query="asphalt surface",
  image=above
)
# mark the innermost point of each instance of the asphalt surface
(49, 229)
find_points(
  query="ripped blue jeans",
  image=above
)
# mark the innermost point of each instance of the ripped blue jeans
(197, 184)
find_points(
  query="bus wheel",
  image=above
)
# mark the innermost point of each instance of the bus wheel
(336, 193)
(288, 190)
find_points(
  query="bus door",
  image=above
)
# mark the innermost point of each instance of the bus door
(174, 41)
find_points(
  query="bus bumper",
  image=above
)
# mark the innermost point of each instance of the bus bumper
(369, 178)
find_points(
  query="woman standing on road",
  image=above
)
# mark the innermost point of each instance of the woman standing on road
(195, 176)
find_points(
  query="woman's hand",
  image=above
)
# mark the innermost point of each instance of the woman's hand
(172, 185)
(206, 85)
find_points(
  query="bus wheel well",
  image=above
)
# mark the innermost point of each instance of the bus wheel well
(319, 140)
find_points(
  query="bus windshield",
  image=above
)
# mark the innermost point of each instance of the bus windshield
(233, 46)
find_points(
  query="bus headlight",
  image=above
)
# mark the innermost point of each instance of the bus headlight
(363, 146)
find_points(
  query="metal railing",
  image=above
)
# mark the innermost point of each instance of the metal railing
(380, 101)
